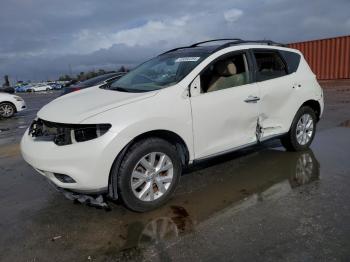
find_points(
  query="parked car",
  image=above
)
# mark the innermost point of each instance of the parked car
(8, 89)
(98, 80)
(186, 105)
(10, 104)
(55, 86)
(22, 88)
(39, 87)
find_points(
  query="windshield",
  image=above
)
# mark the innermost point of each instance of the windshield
(157, 73)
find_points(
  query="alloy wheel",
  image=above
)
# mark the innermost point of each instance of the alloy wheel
(305, 129)
(152, 176)
(6, 110)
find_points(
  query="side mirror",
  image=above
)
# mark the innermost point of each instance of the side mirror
(195, 86)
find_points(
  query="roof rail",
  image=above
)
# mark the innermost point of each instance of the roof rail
(266, 42)
(171, 50)
(216, 40)
(235, 41)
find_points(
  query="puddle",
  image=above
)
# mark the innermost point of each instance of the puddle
(9, 150)
(345, 123)
(238, 183)
(182, 219)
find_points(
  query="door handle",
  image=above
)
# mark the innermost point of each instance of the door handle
(252, 99)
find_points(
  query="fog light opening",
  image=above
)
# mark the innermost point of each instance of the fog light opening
(64, 178)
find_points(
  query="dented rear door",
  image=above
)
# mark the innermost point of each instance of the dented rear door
(278, 100)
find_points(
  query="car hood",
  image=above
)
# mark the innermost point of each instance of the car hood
(4, 95)
(78, 106)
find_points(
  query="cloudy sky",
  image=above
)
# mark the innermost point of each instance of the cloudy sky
(41, 39)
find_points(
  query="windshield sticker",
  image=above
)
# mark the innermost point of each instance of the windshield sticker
(186, 59)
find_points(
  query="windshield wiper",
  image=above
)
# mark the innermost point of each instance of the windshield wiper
(128, 90)
(121, 89)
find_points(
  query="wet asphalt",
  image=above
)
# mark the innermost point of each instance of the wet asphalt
(258, 204)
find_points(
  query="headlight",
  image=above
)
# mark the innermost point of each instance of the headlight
(66, 134)
(88, 132)
(18, 98)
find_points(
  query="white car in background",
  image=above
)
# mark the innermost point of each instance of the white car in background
(133, 137)
(10, 104)
(39, 87)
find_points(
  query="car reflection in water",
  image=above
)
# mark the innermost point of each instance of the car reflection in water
(230, 183)
(236, 185)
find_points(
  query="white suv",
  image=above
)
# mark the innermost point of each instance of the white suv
(133, 137)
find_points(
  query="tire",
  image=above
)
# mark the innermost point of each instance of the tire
(300, 137)
(133, 162)
(7, 110)
(48, 89)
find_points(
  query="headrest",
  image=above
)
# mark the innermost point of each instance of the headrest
(225, 68)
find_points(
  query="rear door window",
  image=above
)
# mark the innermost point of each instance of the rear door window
(269, 65)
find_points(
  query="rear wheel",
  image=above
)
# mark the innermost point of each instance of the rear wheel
(7, 110)
(302, 131)
(148, 174)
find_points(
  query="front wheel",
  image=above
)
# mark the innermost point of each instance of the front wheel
(148, 174)
(302, 131)
(7, 110)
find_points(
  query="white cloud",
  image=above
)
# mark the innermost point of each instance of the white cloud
(87, 41)
(233, 15)
(152, 32)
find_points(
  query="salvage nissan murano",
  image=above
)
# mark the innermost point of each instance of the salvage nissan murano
(132, 138)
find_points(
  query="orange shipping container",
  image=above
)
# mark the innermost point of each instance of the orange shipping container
(328, 58)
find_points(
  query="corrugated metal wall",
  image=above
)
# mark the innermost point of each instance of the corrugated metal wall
(328, 58)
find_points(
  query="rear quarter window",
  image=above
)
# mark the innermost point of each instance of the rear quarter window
(292, 59)
(269, 65)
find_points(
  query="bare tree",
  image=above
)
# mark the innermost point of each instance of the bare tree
(122, 69)
(7, 82)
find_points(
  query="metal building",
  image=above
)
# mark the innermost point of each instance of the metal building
(328, 58)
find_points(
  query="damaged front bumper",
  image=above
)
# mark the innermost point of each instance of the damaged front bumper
(82, 167)
(98, 199)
